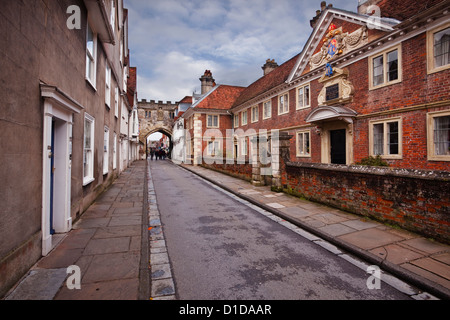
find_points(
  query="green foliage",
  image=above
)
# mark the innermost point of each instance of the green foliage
(373, 161)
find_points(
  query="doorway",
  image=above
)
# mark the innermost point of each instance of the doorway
(338, 146)
(56, 170)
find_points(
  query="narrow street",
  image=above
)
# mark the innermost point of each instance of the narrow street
(220, 248)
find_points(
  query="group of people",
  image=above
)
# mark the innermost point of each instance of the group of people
(158, 154)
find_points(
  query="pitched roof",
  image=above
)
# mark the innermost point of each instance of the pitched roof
(267, 82)
(221, 97)
(187, 99)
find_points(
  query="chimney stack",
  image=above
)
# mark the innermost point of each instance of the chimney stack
(269, 66)
(323, 7)
(207, 81)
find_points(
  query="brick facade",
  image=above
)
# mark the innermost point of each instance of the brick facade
(378, 93)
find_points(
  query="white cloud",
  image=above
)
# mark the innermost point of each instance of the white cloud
(175, 76)
(173, 42)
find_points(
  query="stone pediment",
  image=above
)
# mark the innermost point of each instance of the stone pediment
(329, 113)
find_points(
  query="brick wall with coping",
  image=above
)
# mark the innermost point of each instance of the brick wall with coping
(415, 200)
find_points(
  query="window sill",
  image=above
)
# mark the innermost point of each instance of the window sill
(439, 158)
(87, 181)
(371, 87)
(91, 84)
(438, 69)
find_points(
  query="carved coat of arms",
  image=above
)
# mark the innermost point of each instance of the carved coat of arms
(336, 43)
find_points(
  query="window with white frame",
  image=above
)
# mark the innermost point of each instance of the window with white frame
(244, 117)
(438, 127)
(304, 144)
(267, 109)
(116, 102)
(441, 47)
(303, 97)
(125, 78)
(212, 121)
(113, 15)
(255, 113)
(283, 104)
(213, 148)
(115, 151)
(236, 120)
(106, 151)
(88, 149)
(91, 55)
(438, 48)
(108, 85)
(385, 68)
(244, 146)
(385, 137)
(121, 52)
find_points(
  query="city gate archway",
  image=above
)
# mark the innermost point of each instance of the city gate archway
(155, 117)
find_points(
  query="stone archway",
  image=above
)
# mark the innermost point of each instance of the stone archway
(145, 135)
(155, 116)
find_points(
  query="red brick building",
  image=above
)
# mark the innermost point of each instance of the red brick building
(387, 94)
(367, 84)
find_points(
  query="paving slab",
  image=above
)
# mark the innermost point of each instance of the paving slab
(107, 245)
(39, 284)
(123, 289)
(370, 238)
(112, 266)
(336, 229)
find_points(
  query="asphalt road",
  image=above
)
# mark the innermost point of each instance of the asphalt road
(222, 249)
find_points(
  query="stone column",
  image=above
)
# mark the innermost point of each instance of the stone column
(280, 155)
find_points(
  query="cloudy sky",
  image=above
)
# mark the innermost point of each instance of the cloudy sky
(172, 42)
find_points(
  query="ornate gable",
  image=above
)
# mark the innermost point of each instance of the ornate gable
(336, 33)
(336, 43)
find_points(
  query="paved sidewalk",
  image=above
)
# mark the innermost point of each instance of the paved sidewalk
(106, 243)
(419, 261)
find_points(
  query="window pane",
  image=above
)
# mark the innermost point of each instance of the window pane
(300, 97)
(392, 60)
(378, 71)
(442, 48)
(87, 134)
(306, 143)
(442, 135)
(267, 109)
(90, 41)
(300, 143)
(393, 137)
(307, 96)
(378, 139)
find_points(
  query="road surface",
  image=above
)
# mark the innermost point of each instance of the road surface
(222, 249)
